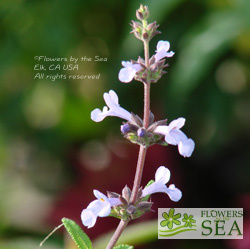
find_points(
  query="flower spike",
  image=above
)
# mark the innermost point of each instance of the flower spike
(111, 100)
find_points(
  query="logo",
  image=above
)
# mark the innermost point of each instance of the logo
(200, 223)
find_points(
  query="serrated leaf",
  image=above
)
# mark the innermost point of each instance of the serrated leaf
(81, 239)
(123, 247)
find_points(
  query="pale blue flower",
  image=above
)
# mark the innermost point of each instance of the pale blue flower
(173, 135)
(161, 50)
(98, 208)
(162, 176)
(127, 73)
(112, 109)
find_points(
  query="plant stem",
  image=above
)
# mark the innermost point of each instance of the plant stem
(138, 174)
(143, 149)
(136, 186)
(146, 52)
(146, 87)
(117, 233)
(146, 105)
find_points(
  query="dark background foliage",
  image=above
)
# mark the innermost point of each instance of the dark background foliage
(52, 155)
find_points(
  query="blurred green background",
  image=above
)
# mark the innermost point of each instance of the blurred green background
(52, 155)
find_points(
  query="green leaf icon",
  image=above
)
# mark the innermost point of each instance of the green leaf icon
(188, 220)
(81, 239)
(170, 219)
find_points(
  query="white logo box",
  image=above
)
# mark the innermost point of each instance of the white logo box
(200, 223)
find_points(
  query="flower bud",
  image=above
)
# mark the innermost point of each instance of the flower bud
(123, 200)
(152, 60)
(139, 15)
(126, 193)
(139, 194)
(151, 118)
(141, 132)
(112, 194)
(124, 214)
(125, 128)
(131, 209)
(142, 13)
(145, 36)
(144, 206)
(136, 119)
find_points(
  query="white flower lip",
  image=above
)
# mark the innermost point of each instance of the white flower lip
(174, 136)
(162, 176)
(98, 208)
(186, 147)
(112, 109)
(127, 73)
(161, 50)
(88, 218)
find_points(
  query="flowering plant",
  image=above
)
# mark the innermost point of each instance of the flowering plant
(145, 132)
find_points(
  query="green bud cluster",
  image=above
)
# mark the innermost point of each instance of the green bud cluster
(143, 30)
(128, 211)
(151, 74)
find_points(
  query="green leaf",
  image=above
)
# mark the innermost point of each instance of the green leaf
(149, 183)
(123, 247)
(145, 198)
(81, 239)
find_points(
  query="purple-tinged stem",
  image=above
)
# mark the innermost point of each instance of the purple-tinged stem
(117, 234)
